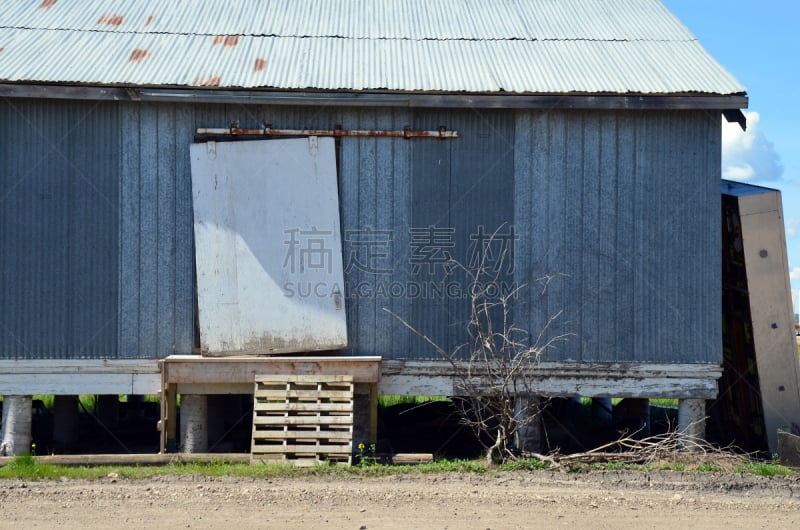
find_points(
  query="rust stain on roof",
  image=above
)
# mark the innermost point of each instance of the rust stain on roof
(47, 4)
(226, 40)
(111, 20)
(138, 55)
(206, 81)
(149, 20)
(260, 65)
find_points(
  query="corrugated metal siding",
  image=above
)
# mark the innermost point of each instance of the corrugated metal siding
(620, 209)
(375, 177)
(58, 233)
(459, 188)
(592, 46)
(157, 255)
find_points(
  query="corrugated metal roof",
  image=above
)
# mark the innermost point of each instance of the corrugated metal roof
(516, 46)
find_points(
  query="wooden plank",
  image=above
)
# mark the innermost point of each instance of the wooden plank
(226, 370)
(564, 369)
(302, 461)
(133, 459)
(405, 459)
(74, 383)
(79, 366)
(321, 435)
(304, 394)
(304, 378)
(303, 420)
(598, 385)
(326, 449)
(303, 407)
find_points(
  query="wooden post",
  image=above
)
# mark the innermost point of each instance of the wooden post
(373, 413)
(17, 415)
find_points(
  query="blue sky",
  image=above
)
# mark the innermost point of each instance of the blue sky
(758, 42)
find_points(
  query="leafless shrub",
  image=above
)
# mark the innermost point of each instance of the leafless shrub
(495, 368)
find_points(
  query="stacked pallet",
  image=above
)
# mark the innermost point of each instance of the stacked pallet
(304, 419)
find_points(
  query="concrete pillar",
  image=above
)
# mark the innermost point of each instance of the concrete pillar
(194, 423)
(65, 421)
(529, 424)
(692, 419)
(108, 411)
(17, 412)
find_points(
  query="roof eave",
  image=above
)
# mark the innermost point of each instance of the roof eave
(572, 100)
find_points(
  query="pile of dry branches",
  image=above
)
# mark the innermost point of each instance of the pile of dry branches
(671, 447)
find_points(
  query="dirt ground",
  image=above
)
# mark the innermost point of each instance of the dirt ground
(503, 500)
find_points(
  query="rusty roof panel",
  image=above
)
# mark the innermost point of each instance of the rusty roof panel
(517, 46)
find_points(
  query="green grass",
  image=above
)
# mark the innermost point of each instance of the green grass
(87, 401)
(663, 402)
(390, 400)
(27, 467)
(765, 470)
(660, 402)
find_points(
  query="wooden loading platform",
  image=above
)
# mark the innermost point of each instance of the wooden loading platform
(196, 374)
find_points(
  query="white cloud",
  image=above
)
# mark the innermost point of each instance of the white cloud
(749, 155)
(792, 225)
(794, 274)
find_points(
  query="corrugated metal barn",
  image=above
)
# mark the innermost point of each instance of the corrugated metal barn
(588, 143)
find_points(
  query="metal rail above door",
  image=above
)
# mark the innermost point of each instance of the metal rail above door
(268, 130)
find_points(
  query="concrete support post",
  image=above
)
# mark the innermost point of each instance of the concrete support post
(194, 423)
(65, 421)
(529, 424)
(692, 419)
(17, 417)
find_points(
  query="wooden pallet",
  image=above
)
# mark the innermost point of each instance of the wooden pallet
(304, 419)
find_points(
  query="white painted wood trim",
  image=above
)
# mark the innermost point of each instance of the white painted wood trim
(93, 376)
(79, 366)
(635, 380)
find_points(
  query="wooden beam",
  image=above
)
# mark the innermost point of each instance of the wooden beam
(74, 383)
(79, 366)
(635, 380)
(135, 459)
(196, 370)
